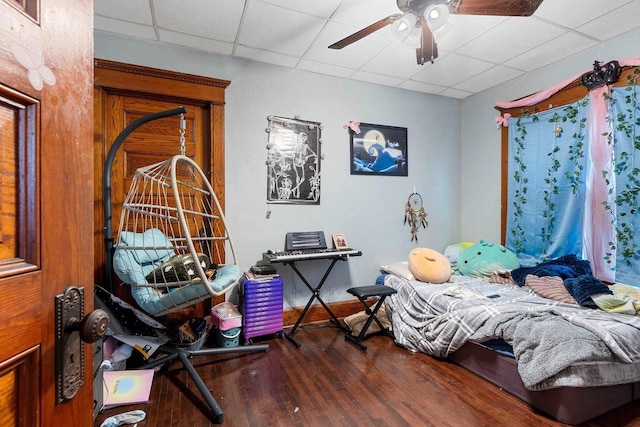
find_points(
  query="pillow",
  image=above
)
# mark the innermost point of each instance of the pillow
(615, 304)
(180, 268)
(428, 265)
(156, 303)
(156, 245)
(133, 266)
(482, 259)
(625, 290)
(400, 269)
(501, 276)
(551, 287)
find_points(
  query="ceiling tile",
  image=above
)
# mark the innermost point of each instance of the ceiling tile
(488, 79)
(462, 29)
(614, 23)
(196, 42)
(360, 14)
(213, 19)
(319, 67)
(322, 9)
(395, 60)
(573, 13)
(267, 57)
(376, 78)
(510, 38)
(551, 51)
(354, 56)
(137, 11)
(475, 52)
(451, 70)
(455, 93)
(420, 86)
(279, 30)
(124, 28)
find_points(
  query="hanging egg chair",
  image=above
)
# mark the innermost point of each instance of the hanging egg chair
(172, 245)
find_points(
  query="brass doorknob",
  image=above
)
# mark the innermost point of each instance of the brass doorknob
(92, 327)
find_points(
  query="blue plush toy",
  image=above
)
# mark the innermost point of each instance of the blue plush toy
(484, 258)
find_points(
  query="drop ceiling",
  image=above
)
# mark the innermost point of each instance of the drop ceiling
(475, 52)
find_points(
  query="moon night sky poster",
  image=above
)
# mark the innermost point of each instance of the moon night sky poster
(379, 150)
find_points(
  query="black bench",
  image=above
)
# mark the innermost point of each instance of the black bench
(362, 293)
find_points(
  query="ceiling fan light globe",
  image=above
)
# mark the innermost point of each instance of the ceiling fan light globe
(441, 32)
(401, 27)
(414, 39)
(436, 16)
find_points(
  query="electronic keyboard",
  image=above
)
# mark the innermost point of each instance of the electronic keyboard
(307, 254)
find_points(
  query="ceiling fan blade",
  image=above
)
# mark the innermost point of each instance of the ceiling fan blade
(495, 7)
(428, 50)
(365, 32)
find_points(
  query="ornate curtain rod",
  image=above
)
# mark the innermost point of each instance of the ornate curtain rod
(608, 73)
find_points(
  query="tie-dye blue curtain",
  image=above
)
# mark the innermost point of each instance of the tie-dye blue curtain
(548, 157)
(624, 116)
(548, 164)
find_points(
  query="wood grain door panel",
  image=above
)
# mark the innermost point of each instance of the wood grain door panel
(19, 383)
(46, 166)
(19, 240)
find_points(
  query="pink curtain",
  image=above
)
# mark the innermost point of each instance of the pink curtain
(598, 220)
(598, 227)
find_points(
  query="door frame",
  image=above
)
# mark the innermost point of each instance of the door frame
(111, 77)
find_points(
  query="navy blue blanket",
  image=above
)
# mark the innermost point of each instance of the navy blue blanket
(583, 287)
(567, 266)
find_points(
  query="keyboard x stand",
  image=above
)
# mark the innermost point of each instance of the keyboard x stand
(315, 294)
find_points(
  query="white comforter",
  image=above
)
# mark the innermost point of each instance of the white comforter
(555, 343)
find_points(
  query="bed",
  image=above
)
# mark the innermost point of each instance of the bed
(571, 362)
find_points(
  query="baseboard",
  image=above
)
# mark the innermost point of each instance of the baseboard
(317, 313)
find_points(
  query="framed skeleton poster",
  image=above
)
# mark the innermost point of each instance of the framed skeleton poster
(293, 161)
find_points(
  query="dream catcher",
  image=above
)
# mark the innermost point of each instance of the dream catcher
(415, 215)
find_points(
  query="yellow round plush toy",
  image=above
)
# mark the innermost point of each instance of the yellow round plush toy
(429, 266)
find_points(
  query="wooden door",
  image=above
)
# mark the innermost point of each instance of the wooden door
(151, 143)
(125, 93)
(46, 167)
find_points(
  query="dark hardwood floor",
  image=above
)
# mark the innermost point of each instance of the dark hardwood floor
(331, 382)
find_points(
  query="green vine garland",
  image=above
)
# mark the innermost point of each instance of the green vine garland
(576, 153)
(520, 193)
(624, 164)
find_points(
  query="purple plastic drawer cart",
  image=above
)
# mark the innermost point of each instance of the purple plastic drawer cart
(260, 303)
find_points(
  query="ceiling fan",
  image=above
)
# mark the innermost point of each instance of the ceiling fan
(421, 18)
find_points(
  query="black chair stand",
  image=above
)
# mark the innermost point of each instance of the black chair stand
(171, 353)
(362, 293)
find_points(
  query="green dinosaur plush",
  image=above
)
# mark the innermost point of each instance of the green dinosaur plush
(484, 258)
(452, 252)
